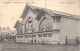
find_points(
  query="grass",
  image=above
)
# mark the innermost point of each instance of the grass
(36, 47)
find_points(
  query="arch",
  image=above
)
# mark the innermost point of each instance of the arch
(46, 23)
(27, 23)
(20, 29)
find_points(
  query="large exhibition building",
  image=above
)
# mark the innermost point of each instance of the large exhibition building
(43, 25)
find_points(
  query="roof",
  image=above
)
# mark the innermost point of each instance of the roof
(49, 11)
(27, 7)
(18, 22)
(62, 14)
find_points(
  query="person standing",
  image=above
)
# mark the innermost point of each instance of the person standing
(35, 40)
(31, 40)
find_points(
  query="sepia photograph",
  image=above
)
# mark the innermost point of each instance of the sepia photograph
(39, 25)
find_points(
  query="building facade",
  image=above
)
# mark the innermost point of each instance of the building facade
(6, 34)
(43, 25)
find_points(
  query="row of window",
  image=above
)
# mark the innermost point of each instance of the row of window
(33, 36)
(29, 36)
(20, 36)
(45, 35)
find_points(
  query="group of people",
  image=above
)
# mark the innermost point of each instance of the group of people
(33, 41)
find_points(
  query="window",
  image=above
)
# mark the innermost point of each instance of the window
(46, 26)
(4, 32)
(20, 29)
(44, 35)
(26, 36)
(49, 35)
(20, 36)
(30, 21)
(29, 36)
(12, 33)
(40, 35)
(33, 36)
(29, 24)
(57, 19)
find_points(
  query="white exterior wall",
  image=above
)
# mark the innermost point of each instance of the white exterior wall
(69, 28)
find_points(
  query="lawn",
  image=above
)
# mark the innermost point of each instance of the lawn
(36, 47)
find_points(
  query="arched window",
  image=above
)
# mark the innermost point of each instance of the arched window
(20, 29)
(45, 25)
(28, 25)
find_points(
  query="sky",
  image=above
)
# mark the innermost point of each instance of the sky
(11, 10)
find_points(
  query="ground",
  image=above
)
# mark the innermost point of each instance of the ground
(36, 47)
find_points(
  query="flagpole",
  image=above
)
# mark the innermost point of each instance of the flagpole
(45, 4)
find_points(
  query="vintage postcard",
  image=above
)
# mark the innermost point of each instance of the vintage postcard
(39, 25)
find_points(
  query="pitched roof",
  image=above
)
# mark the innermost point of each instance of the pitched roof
(62, 14)
(18, 22)
(27, 7)
(51, 12)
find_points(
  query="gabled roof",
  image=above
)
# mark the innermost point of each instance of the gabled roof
(18, 22)
(48, 11)
(58, 13)
(26, 9)
(62, 14)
